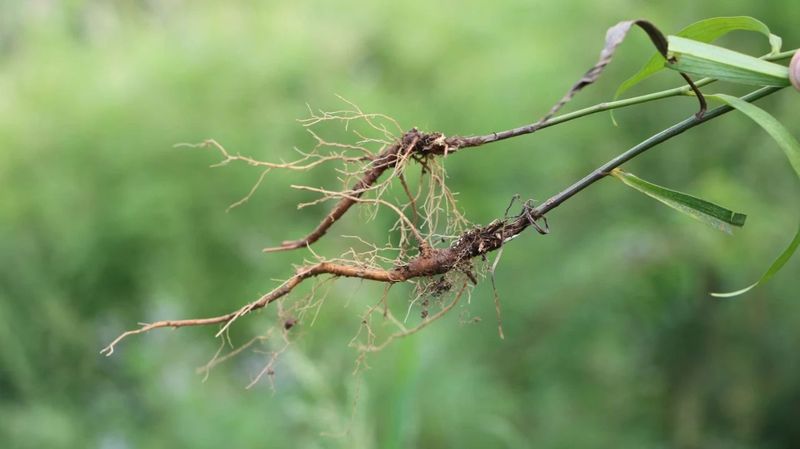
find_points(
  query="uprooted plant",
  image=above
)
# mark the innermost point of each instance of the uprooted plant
(432, 245)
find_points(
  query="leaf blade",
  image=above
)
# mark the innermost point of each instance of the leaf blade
(698, 58)
(699, 209)
(707, 30)
(791, 147)
(777, 264)
(779, 133)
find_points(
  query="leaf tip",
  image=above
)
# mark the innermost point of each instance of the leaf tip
(736, 293)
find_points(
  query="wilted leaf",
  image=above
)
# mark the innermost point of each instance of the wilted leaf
(707, 212)
(614, 36)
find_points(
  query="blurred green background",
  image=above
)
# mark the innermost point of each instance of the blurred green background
(611, 338)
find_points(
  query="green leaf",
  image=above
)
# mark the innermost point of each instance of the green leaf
(707, 30)
(698, 58)
(771, 125)
(709, 213)
(791, 148)
(774, 268)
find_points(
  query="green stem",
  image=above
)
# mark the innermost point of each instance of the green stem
(527, 129)
(640, 148)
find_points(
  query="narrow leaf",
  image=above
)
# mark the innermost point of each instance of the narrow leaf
(791, 148)
(774, 268)
(698, 58)
(707, 30)
(782, 136)
(707, 212)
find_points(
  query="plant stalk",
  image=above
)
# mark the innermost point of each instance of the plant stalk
(640, 148)
(475, 141)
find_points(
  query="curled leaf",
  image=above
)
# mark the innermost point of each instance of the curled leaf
(699, 209)
(791, 148)
(771, 125)
(614, 36)
(774, 268)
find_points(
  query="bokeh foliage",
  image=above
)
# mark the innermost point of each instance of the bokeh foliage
(611, 337)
